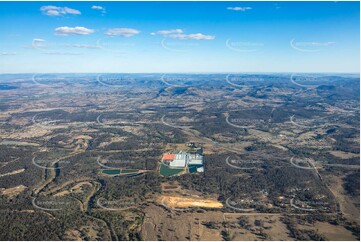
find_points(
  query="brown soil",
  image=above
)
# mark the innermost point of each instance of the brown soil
(14, 191)
(186, 202)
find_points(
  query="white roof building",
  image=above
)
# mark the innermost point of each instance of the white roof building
(177, 163)
(180, 160)
(183, 159)
(196, 160)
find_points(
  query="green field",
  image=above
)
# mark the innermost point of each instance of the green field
(166, 171)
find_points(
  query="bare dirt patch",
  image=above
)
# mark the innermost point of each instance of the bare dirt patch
(343, 155)
(12, 173)
(73, 234)
(13, 191)
(186, 202)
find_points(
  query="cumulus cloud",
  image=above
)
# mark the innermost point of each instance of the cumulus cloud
(58, 11)
(125, 32)
(242, 9)
(99, 8)
(65, 31)
(179, 34)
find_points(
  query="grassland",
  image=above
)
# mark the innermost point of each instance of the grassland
(267, 147)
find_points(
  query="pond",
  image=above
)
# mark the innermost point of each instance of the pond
(111, 172)
(167, 171)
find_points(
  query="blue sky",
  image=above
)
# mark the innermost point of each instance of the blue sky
(179, 37)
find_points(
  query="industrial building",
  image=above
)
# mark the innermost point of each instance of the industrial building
(194, 162)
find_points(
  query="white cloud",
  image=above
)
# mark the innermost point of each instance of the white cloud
(65, 31)
(58, 11)
(38, 40)
(99, 8)
(242, 9)
(38, 43)
(179, 34)
(125, 32)
(167, 32)
(197, 36)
